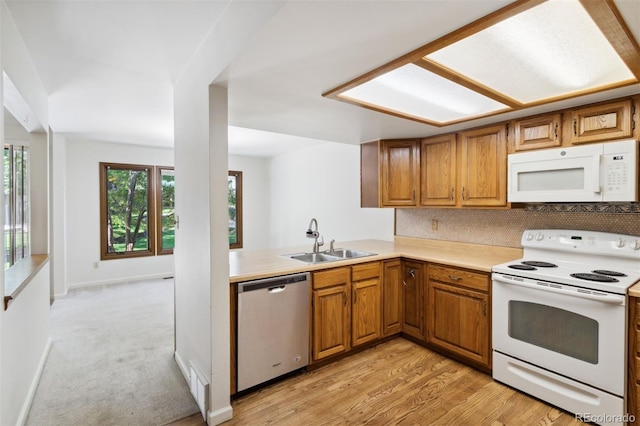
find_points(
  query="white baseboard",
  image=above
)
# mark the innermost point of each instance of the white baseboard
(183, 367)
(220, 415)
(215, 417)
(24, 412)
(121, 280)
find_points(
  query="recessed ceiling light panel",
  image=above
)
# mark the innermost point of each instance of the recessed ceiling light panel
(413, 91)
(545, 52)
(530, 52)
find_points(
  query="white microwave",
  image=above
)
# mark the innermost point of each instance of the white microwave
(590, 173)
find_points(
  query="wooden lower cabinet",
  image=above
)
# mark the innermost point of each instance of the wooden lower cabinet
(392, 297)
(331, 313)
(365, 303)
(347, 308)
(458, 312)
(413, 298)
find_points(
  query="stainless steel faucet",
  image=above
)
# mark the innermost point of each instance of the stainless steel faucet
(312, 232)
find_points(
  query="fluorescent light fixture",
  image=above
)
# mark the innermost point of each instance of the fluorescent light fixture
(528, 53)
(545, 52)
(413, 91)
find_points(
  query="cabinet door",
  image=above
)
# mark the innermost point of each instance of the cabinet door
(412, 299)
(602, 122)
(400, 172)
(483, 167)
(330, 321)
(438, 171)
(365, 311)
(392, 297)
(538, 132)
(459, 321)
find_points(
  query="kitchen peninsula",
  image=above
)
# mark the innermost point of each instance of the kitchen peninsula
(436, 293)
(247, 265)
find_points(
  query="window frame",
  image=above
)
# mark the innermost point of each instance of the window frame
(238, 176)
(160, 249)
(12, 199)
(151, 212)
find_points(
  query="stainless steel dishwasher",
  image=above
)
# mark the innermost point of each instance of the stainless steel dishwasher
(273, 328)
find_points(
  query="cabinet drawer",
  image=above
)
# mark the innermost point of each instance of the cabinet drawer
(365, 271)
(459, 277)
(331, 277)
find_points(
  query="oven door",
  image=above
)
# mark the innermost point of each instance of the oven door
(565, 329)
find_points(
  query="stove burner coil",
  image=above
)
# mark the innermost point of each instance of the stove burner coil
(522, 267)
(595, 277)
(610, 273)
(539, 264)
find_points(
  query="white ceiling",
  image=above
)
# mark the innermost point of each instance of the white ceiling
(109, 66)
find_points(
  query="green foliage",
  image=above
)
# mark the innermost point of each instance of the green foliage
(127, 199)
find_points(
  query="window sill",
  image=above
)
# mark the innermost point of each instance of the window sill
(19, 275)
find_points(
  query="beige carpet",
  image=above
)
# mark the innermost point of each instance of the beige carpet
(111, 361)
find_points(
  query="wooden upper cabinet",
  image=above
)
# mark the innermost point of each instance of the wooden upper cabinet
(438, 171)
(483, 167)
(400, 171)
(389, 173)
(601, 122)
(537, 132)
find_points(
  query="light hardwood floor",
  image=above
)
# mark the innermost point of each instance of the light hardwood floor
(397, 382)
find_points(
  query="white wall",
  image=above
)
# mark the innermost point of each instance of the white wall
(256, 199)
(202, 242)
(59, 216)
(83, 213)
(25, 345)
(24, 327)
(322, 181)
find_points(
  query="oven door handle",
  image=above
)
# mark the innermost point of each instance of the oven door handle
(603, 298)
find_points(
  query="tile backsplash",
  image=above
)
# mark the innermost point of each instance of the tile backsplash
(505, 227)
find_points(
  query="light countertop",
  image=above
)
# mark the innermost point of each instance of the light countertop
(247, 265)
(634, 290)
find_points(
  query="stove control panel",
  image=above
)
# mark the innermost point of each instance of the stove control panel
(588, 242)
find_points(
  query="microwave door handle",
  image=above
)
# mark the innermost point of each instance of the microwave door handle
(596, 175)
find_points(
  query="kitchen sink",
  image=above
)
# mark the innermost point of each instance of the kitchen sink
(311, 257)
(348, 254)
(327, 256)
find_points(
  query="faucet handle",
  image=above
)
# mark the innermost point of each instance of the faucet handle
(331, 244)
(321, 242)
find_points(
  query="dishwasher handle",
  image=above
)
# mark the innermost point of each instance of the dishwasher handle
(273, 283)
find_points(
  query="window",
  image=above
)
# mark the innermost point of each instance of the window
(136, 210)
(16, 203)
(166, 210)
(235, 209)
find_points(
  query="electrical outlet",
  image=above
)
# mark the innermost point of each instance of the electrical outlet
(434, 224)
(96, 265)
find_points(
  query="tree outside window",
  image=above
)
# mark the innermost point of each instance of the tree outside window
(235, 209)
(16, 204)
(136, 210)
(166, 210)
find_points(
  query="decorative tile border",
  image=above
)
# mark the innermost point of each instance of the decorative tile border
(585, 208)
